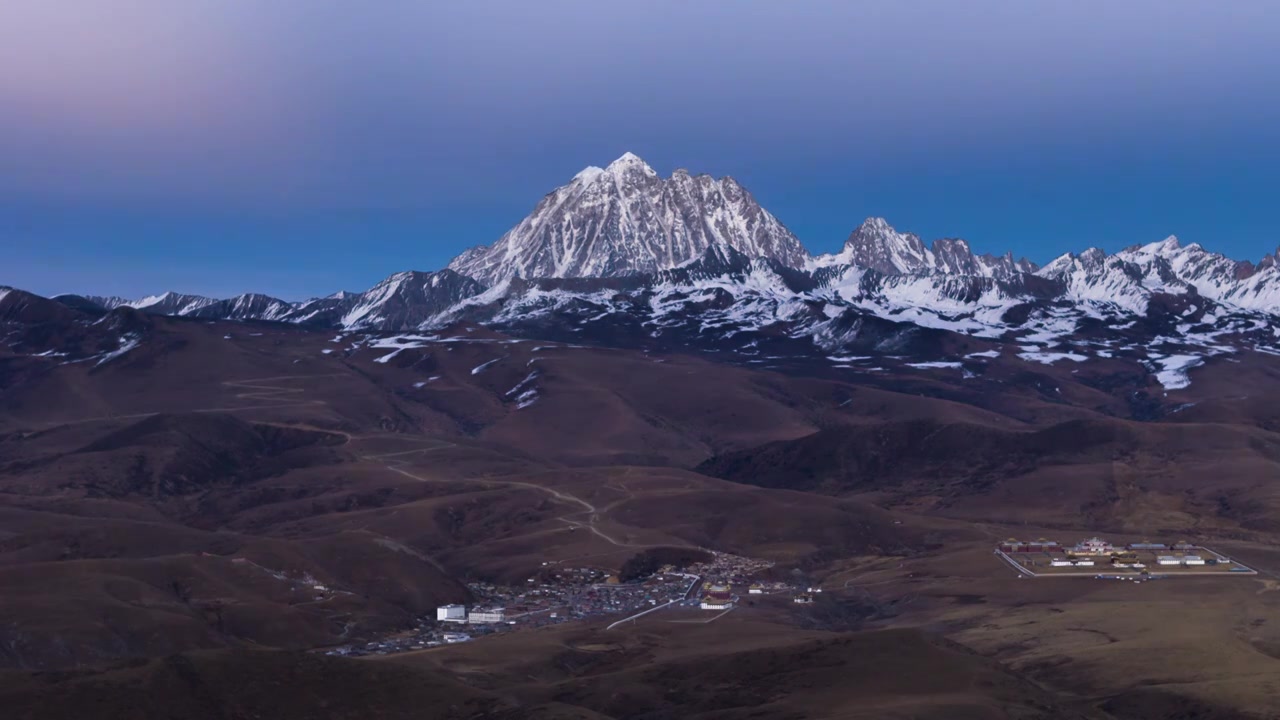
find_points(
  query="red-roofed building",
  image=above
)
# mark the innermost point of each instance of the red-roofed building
(717, 597)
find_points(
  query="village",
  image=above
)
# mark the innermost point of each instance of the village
(1097, 558)
(560, 594)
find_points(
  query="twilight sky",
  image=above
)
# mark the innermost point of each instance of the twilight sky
(298, 147)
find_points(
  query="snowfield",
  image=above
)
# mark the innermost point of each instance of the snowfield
(1049, 358)
(1172, 371)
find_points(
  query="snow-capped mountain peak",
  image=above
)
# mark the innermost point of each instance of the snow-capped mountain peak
(876, 245)
(1165, 248)
(1130, 277)
(172, 303)
(627, 220)
(588, 175)
(630, 162)
(876, 225)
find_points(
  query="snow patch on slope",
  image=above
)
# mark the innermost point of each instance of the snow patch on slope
(1049, 358)
(1172, 371)
(127, 343)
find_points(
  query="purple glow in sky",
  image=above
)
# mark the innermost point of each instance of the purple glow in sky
(301, 146)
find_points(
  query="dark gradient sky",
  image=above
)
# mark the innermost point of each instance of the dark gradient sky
(297, 147)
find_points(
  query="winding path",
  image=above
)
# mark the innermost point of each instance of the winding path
(398, 466)
(270, 394)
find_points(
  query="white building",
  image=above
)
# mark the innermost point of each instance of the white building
(456, 637)
(1093, 546)
(487, 616)
(1192, 560)
(1169, 560)
(451, 613)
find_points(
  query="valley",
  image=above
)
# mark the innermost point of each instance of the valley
(210, 479)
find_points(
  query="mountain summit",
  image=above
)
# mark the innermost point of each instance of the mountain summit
(875, 245)
(625, 219)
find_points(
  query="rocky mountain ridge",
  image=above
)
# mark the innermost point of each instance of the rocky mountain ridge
(622, 256)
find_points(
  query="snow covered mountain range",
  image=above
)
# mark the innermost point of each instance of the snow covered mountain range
(622, 254)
